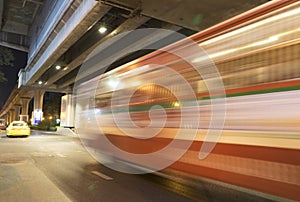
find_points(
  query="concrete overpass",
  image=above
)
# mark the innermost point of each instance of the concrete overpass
(59, 35)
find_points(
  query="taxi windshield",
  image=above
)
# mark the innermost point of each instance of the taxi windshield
(18, 124)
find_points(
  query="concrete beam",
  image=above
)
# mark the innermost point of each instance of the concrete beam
(139, 44)
(15, 98)
(14, 41)
(128, 25)
(86, 14)
(14, 46)
(15, 27)
(18, 94)
(192, 14)
(53, 88)
(9, 102)
(41, 30)
(38, 2)
(69, 67)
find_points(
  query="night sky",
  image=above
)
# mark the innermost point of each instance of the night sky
(11, 74)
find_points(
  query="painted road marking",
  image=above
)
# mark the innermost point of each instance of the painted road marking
(103, 176)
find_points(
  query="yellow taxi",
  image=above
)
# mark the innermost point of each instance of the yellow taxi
(18, 128)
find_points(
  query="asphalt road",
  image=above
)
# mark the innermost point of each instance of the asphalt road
(48, 167)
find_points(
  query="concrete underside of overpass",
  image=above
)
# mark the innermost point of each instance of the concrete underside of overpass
(64, 33)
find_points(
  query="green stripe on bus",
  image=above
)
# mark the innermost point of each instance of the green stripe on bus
(273, 90)
(169, 105)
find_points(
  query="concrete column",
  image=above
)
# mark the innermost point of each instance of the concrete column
(7, 117)
(37, 113)
(25, 104)
(11, 115)
(24, 111)
(17, 112)
(38, 99)
(67, 111)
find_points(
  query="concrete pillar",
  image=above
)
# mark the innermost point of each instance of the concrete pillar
(24, 112)
(8, 117)
(17, 112)
(38, 99)
(25, 104)
(67, 111)
(37, 113)
(11, 115)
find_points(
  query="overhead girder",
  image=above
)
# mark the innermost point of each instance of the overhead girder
(143, 42)
(198, 17)
(61, 45)
(14, 41)
(192, 14)
(128, 25)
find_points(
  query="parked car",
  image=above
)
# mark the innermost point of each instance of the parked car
(18, 128)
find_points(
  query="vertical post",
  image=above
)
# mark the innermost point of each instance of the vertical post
(17, 112)
(7, 117)
(67, 111)
(11, 115)
(37, 113)
(25, 104)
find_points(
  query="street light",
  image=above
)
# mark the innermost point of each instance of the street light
(102, 29)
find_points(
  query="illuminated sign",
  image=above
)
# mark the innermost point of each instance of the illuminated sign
(37, 116)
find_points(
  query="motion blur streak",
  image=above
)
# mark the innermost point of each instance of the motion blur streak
(259, 62)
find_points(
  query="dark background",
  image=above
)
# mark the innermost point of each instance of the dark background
(11, 74)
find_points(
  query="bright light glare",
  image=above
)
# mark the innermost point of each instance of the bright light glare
(137, 70)
(97, 111)
(214, 55)
(252, 26)
(102, 30)
(40, 82)
(257, 43)
(58, 67)
(113, 83)
(136, 83)
(269, 40)
(176, 104)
